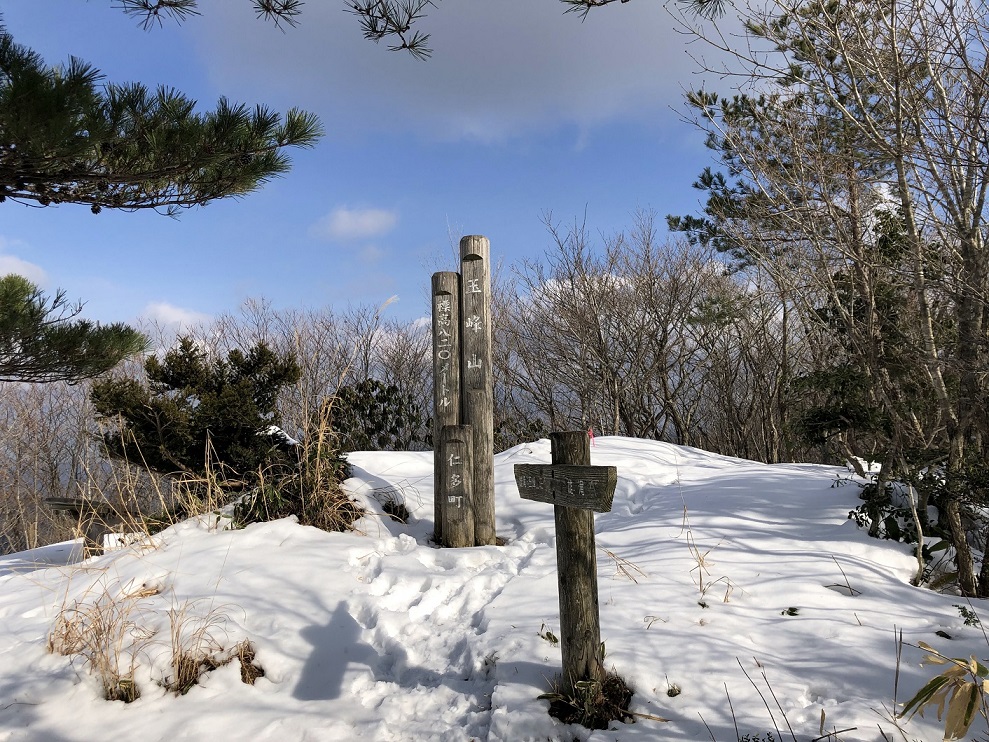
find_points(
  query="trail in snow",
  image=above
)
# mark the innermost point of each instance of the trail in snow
(422, 612)
(381, 636)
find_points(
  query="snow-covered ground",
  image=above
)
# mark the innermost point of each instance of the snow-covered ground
(381, 636)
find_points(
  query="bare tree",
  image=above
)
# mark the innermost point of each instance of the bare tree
(648, 338)
(862, 164)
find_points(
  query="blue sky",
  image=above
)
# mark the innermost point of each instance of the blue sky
(521, 111)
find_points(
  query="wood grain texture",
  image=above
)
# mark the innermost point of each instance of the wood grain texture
(587, 487)
(446, 377)
(456, 443)
(580, 627)
(478, 389)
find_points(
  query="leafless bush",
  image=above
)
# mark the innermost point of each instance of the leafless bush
(646, 338)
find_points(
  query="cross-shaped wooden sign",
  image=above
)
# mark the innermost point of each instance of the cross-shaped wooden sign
(576, 490)
(587, 487)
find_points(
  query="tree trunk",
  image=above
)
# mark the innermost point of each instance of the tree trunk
(963, 554)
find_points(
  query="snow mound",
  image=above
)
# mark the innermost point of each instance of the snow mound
(710, 569)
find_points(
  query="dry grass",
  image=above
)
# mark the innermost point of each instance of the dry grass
(624, 567)
(113, 630)
(107, 634)
(138, 503)
(189, 668)
(195, 643)
(311, 490)
(324, 504)
(246, 656)
(700, 573)
(51, 450)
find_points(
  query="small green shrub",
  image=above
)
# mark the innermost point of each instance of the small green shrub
(372, 416)
(882, 514)
(971, 617)
(209, 418)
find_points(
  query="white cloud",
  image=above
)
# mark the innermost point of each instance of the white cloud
(172, 317)
(13, 264)
(32, 272)
(345, 224)
(499, 69)
(371, 254)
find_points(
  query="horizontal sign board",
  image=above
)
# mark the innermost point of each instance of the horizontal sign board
(587, 487)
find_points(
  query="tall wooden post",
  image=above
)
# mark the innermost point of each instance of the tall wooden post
(446, 379)
(456, 442)
(478, 389)
(580, 628)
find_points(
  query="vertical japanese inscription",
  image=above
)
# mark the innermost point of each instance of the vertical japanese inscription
(478, 393)
(458, 521)
(446, 378)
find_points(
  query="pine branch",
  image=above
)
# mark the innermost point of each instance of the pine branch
(41, 342)
(151, 12)
(583, 7)
(279, 10)
(380, 19)
(66, 139)
(705, 8)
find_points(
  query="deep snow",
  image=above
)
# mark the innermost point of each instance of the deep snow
(381, 636)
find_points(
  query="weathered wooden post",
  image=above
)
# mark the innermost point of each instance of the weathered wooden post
(446, 379)
(577, 490)
(478, 389)
(456, 442)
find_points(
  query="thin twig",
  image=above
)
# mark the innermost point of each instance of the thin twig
(734, 721)
(773, 694)
(851, 590)
(834, 734)
(983, 628)
(899, 656)
(623, 566)
(762, 696)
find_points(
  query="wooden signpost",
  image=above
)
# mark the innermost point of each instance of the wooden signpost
(577, 490)
(586, 487)
(478, 389)
(463, 395)
(446, 379)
